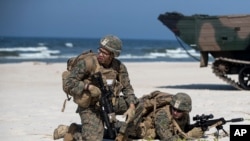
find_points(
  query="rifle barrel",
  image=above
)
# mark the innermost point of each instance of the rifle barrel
(236, 120)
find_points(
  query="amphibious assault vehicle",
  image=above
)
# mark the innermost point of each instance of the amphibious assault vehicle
(226, 38)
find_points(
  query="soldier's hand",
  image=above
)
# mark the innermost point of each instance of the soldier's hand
(195, 133)
(94, 91)
(130, 113)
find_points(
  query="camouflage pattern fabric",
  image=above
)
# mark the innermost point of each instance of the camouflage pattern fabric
(182, 101)
(92, 126)
(80, 74)
(165, 128)
(154, 100)
(120, 105)
(145, 113)
(224, 37)
(143, 123)
(132, 127)
(85, 68)
(112, 43)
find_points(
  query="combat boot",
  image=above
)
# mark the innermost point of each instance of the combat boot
(60, 131)
(121, 137)
(69, 136)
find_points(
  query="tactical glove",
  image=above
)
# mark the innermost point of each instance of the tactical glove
(195, 133)
(130, 113)
(94, 91)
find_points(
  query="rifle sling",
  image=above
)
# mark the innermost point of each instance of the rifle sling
(175, 123)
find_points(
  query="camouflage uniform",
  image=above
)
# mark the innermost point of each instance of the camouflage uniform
(165, 129)
(156, 120)
(168, 128)
(88, 108)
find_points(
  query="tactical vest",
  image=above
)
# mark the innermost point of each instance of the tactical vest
(110, 76)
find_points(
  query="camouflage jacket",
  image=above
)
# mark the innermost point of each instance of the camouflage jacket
(166, 129)
(82, 73)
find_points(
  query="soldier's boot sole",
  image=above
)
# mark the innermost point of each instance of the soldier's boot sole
(60, 131)
(69, 136)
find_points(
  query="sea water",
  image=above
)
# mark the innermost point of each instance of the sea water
(55, 50)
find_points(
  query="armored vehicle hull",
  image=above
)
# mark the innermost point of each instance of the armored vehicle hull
(226, 38)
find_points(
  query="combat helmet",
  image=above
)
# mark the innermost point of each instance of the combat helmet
(181, 101)
(112, 43)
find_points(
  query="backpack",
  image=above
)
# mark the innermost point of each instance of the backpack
(150, 104)
(155, 100)
(84, 100)
(70, 64)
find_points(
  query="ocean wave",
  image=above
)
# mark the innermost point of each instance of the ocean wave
(23, 49)
(59, 50)
(28, 52)
(44, 52)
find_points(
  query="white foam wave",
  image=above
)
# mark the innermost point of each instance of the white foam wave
(44, 53)
(40, 55)
(129, 56)
(31, 52)
(68, 44)
(181, 53)
(41, 48)
(177, 53)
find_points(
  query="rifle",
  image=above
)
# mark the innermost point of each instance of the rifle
(107, 110)
(205, 124)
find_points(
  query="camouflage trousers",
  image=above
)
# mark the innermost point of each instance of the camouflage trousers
(92, 125)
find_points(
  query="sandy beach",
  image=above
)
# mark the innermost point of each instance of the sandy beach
(32, 97)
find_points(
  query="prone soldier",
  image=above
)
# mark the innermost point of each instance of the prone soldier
(165, 117)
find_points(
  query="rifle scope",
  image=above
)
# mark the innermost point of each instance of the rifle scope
(203, 117)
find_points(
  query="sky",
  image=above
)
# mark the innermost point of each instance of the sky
(131, 19)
